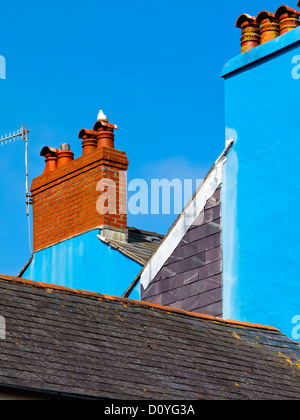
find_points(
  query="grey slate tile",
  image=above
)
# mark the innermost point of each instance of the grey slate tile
(196, 262)
(62, 341)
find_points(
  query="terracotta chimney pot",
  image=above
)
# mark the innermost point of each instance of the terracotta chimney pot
(105, 138)
(269, 26)
(88, 146)
(288, 19)
(89, 141)
(51, 163)
(105, 134)
(250, 32)
(50, 154)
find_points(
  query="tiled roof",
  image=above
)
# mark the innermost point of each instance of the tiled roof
(80, 343)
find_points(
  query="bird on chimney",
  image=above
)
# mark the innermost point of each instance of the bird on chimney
(102, 116)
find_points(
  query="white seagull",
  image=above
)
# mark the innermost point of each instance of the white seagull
(102, 117)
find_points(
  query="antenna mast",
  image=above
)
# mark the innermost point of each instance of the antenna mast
(23, 135)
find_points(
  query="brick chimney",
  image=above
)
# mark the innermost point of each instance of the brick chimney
(73, 196)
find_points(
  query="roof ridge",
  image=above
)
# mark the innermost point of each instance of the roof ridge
(167, 309)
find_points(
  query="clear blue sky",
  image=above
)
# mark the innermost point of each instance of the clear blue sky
(153, 67)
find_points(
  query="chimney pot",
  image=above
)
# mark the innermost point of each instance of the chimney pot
(89, 141)
(50, 154)
(269, 26)
(105, 138)
(51, 163)
(288, 19)
(250, 32)
(105, 134)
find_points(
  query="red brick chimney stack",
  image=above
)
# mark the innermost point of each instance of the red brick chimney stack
(73, 196)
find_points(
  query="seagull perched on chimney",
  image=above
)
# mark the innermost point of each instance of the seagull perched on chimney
(102, 117)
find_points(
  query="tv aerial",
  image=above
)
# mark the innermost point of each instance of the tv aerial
(21, 134)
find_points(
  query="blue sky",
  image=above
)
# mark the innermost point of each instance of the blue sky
(153, 67)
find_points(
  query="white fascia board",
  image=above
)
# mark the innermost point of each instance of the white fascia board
(184, 222)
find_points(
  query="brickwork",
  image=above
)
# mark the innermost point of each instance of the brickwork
(65, 200)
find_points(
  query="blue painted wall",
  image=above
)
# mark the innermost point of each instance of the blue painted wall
(84, 262)
(261, 185)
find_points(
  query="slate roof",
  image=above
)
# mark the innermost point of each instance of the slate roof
(61, 340)
(141, 245)
(191, 278)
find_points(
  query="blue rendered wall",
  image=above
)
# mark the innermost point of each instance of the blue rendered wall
(86, 263)
(261, 186)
